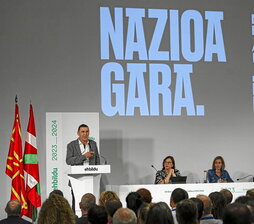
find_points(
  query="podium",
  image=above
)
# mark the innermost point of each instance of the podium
(86, 179)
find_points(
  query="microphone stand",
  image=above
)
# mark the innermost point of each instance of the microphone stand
(250, 175)
(105, 160)
(154, 168)
(205, 176)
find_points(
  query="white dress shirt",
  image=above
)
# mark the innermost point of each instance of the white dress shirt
(84, 149)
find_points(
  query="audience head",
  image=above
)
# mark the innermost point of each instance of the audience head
(56, 209)
(187, 212)
(178, 195)
(87, 201)
(219, 204)
(97, 215)
(59, 192)
(143, 212)
(242, 200)
(228, 195)
(13, 208)
(124, 216)
(250, 206)
(106, 195)
(218, 159)
(172, 160)
(250, 194)
(159, 213)
(200, 206)
(134, 201)
(208, 206)
(111, 207)
(236, 214)
(145, 195)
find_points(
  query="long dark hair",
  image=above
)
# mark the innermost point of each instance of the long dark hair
(219, 203)
(133, 201)
(159, 213)
(173, 162)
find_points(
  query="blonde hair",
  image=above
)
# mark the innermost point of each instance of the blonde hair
(106, 195)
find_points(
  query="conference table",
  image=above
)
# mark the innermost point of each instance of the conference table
(162, 192)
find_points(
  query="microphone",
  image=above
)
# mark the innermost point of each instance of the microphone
(205, 176)
(154, 168)
(250, 175)
(105, 160)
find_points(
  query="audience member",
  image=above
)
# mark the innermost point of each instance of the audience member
(219, 204)
(143, 212)
(87, 201)
(124, 216)
(105, 195)
(145, 195)
(111, 207)
(13, 210)
(59, 192)
(207, 217)
(250, 193)
(140, 210)
(159, 213)
(200, 207)
(228, 195)
(187, 212)
(250, 206)
(134, 201)
(177, 195)
(237, 213)
(97, 215)
(56, 209)
(242, 200)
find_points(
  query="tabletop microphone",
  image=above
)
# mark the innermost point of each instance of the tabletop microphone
(154, 168)
(250, 175)
(205, 176)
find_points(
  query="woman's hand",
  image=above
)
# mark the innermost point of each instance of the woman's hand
(223, 181)
(172, 172)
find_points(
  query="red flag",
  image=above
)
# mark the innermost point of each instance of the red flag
(32, 169)
(14, 166)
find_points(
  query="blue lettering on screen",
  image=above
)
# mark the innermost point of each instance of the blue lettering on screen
(160, 89)
(188, 17)
(214, 47)
(252, 23)
(135, 26)
(113, 31)
(183, 91)
(108, 90)
(146, 88)
(154, 53)
(174, 35)
(137, 90)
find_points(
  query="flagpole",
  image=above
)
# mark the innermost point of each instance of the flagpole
(32, 168)
(14, 164)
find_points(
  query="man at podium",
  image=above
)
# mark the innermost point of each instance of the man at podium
(82, 151)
